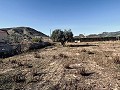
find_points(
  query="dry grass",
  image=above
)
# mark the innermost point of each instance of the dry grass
(91, 66)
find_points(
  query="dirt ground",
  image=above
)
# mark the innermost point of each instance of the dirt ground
(78, 66)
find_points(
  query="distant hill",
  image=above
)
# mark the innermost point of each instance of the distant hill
(18, 34)
(25, 31)
(109, 34)
(106, 34)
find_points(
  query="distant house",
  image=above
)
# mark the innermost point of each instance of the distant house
(3, 36)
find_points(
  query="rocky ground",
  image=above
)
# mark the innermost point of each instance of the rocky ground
(78, 66)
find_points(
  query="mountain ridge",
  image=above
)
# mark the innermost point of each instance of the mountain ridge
(105, 34)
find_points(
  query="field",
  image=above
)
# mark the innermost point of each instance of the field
(78, 66)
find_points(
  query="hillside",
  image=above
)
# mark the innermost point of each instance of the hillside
(24, 31)
(19, 34)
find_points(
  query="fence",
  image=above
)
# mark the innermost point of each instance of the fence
(97, 39)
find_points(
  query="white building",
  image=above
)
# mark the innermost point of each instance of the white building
(3, 36)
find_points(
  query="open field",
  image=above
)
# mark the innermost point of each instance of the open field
(78, 66)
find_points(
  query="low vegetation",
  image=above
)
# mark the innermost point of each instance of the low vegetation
(64, 68)
(37, 39)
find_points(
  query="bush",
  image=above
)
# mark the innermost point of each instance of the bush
(83, 72)
(20, 78)
(36, 55)
(63, 55)
(36, 39)
(90, 52)
(83, 50)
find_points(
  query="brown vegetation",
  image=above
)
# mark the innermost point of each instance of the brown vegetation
(94, 67)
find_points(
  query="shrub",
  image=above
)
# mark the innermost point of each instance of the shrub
(36, 39)
(1, 61)
(83, 50)
(36, 55)
(19, 78)
(13, 62)
(54, 57)
(29, 65)
(90, 52)
(67, 66)
(83, 72)
(63, 55)
(20, 64)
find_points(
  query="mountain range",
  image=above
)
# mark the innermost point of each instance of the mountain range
(105, 34)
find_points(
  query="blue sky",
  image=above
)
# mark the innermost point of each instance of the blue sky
(82, 16)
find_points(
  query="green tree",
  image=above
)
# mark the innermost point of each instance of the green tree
(59, 36)
(68, 35)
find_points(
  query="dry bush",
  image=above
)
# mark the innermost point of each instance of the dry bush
(1, 61)
(20, 78)
(37, 55)
(116, 59)
(6, 82)
(83, 50)
(67, 66)
(90, 52)
(84, 72)
(54, 57)
(13, 62)
(63, 55)
(28, 65)
(20, 64)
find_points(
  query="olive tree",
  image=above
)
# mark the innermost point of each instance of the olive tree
(62, 36)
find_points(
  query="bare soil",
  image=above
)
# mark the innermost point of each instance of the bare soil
(78, 66)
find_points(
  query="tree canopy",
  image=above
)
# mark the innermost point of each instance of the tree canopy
(62, 36)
